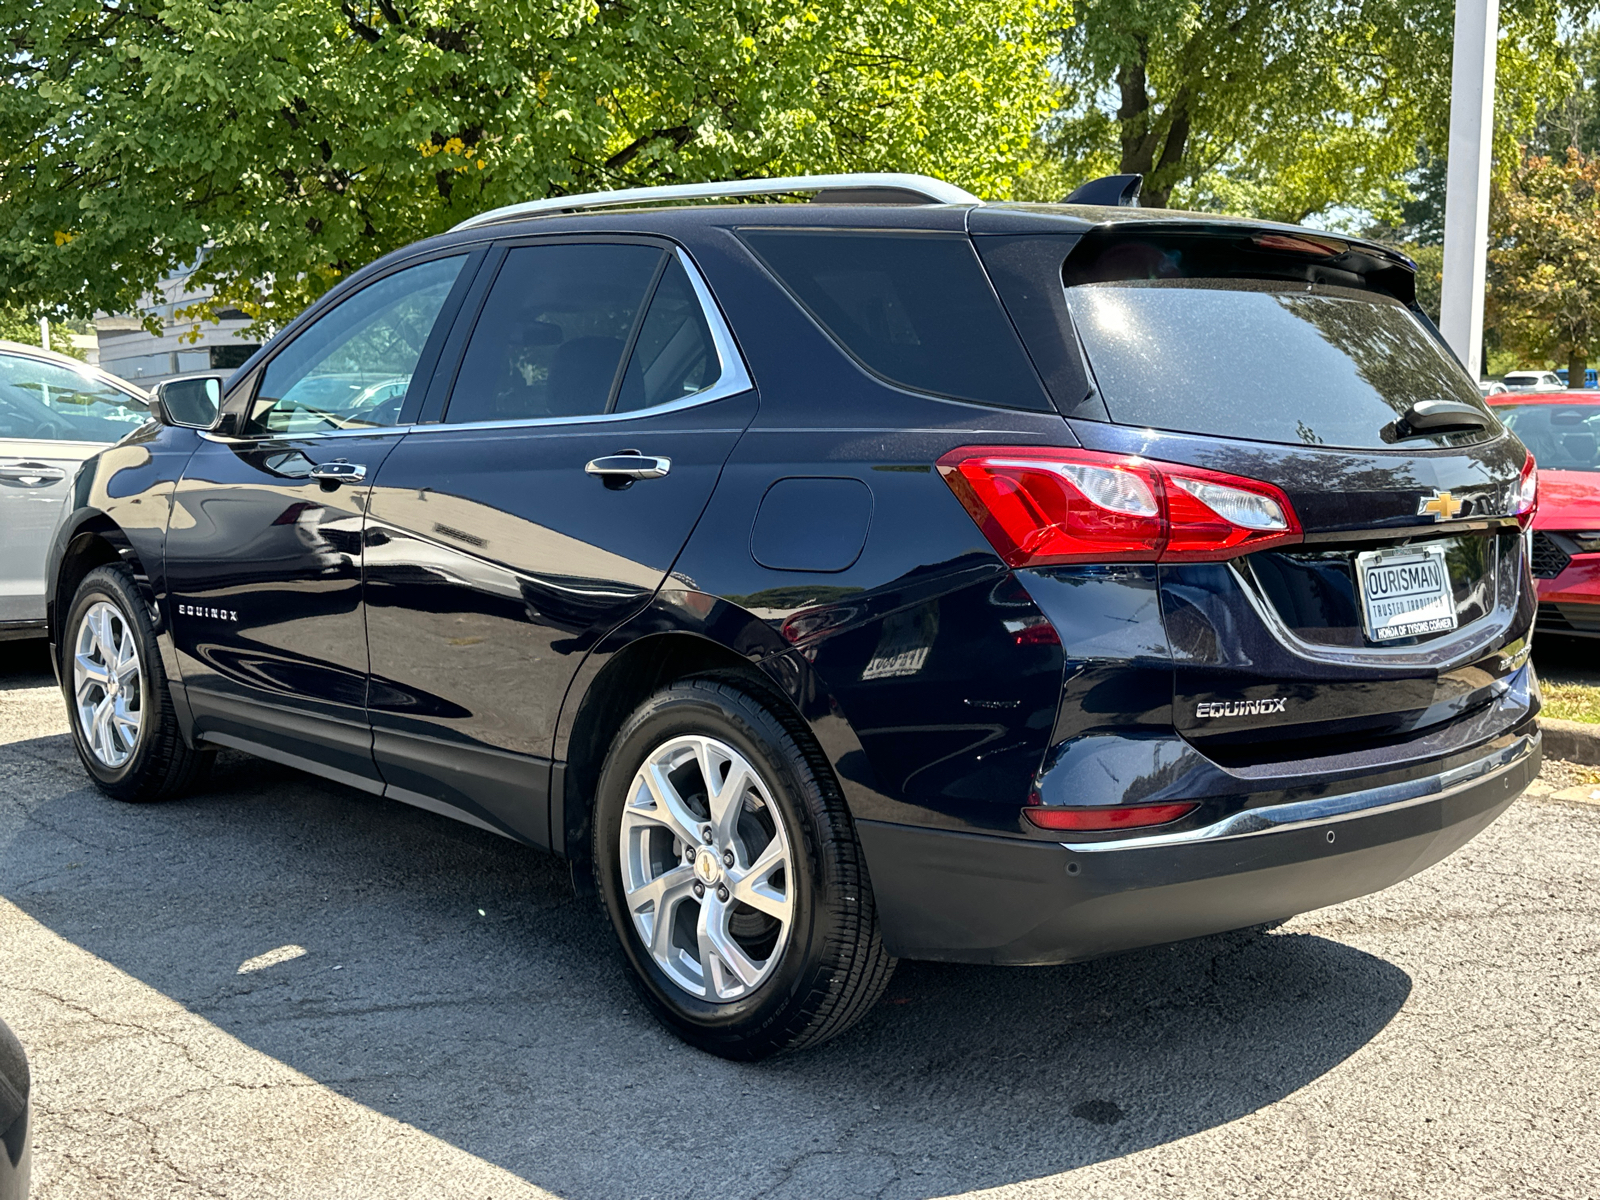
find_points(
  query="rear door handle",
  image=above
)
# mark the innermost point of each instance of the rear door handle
(331, 474)
(628, 466)
(31, 474)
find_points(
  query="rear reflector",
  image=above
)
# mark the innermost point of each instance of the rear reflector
(1136, 817)
(1039, 506)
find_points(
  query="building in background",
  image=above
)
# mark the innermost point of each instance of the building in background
(126, 349)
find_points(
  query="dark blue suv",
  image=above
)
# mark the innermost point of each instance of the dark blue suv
(888, 574)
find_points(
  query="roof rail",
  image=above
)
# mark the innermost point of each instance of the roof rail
(884, 183)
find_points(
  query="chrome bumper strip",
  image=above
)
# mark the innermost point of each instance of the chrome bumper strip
(1329, 810)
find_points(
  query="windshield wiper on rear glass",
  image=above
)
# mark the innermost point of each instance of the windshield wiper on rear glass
(1428, 417)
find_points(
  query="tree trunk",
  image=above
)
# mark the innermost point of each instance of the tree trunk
(1577, 368)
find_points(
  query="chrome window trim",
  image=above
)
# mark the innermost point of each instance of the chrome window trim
(731, 381)
(236, 438)
(1332, 810)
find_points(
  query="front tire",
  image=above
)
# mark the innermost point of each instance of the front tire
(727, 862)
(118, 704)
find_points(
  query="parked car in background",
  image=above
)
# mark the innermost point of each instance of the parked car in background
(1533, 381)
(54, 412)
(1562, 431)
(1491, 387)
(1590, 377)
(15, 1116)
(888, 575)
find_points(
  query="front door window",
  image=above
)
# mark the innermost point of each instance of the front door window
(352, 368)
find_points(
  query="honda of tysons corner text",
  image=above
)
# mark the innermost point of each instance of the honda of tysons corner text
(888, 575)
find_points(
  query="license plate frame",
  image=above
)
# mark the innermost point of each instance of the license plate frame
(1388, 613)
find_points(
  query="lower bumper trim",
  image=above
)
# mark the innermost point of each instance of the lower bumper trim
(1331, 810)
(960, 897)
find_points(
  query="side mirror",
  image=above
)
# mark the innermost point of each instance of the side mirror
(193, 401)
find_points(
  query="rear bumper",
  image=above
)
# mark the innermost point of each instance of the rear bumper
(964, 898)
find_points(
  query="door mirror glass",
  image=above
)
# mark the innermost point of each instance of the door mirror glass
(194, 402)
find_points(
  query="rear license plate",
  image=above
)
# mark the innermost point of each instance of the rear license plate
(1405, 593)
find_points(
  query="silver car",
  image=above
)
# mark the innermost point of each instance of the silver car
(54, 413)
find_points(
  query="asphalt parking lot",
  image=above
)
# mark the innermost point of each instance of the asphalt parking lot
(458, 1025)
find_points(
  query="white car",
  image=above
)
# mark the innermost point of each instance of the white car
(1533, 381)
(54, 412)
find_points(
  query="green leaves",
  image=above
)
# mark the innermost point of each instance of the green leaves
(1544, 294)
(1283, 108)
(285, 143)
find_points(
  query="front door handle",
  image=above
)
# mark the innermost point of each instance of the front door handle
(619, 470)
(31, 474)
(331, 474)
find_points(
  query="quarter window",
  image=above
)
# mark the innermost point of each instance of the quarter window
(916, 308)
(352, 367)
(553, 333)
(43, 401)
(674, 356)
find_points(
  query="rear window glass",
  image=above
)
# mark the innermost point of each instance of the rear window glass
(1561, 437)
(1263, 360)
(916, 308)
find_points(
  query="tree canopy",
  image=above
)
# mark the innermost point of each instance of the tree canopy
(1281, 108)
(284, 143)
(1544, 258)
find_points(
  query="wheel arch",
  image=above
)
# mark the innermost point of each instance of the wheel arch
(95, 540)
(634, 663)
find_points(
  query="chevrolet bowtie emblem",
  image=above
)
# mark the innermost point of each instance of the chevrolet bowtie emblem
(1442, 505)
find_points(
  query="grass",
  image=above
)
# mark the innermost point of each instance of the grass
(1571, 702)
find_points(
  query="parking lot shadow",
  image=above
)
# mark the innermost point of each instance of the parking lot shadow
(452, 981)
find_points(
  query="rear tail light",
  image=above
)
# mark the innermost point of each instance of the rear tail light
(1527, 494)
(1039, 506)
(1135, 816)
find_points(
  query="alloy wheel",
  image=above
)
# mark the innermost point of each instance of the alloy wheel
(707, 868)
(108, 684)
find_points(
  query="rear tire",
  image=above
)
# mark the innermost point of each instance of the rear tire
(780, 949)
(118, 703)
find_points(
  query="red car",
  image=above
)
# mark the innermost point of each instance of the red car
(1562, 430)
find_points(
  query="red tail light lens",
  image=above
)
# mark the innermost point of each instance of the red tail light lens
(1132, 817)
(1039, 506)
(1527, 494)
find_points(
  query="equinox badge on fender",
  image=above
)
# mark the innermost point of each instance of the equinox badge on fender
(1239, 708)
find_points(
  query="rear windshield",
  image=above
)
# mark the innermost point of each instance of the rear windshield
(916, 308)
(1264, 360)
(1561, 437)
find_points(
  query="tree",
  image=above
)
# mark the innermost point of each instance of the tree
(1544, 260)
(1280, 108)
(284, 143)
(19, 326)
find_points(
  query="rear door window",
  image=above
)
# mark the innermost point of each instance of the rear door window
(1263, 360)
(553, 332)
(915, 308)
(674, 355)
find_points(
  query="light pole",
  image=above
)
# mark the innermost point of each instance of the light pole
(1466, 204)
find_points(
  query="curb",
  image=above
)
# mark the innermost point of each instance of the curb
(1574, 741)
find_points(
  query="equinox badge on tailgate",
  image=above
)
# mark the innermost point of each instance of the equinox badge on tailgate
(1240, 708)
